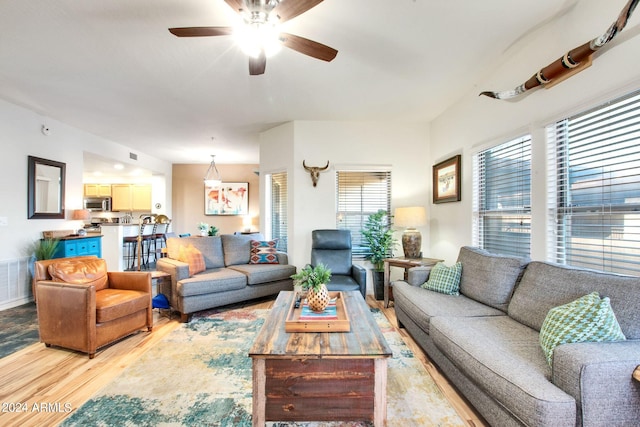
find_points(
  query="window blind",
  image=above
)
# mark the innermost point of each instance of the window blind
(594, 187)
(360, 194)
(502, 198)
(278, 209)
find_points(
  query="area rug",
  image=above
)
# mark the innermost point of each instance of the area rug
(18, 328)
(200, 375)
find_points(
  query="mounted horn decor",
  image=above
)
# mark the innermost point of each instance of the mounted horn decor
(572, 62)
(314, 171)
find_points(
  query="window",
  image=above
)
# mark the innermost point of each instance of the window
(502, 198)
(277, 208)
(360, 194)
(594, 187)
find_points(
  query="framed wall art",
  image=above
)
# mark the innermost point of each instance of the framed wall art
(446, 181)
(228, 198)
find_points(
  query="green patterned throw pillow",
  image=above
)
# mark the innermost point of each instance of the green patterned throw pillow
(587, 319)
(443, 279)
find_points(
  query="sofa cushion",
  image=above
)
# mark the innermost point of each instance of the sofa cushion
(237, 247)
(489, 278)
(80, 272)
(193, 257)
(587, 319)
(264, 273)
(211, 281)
(421, 305)
(546, 285)
(263, 252)
(113, 304)
(209, 246)
(504, 359)
(443, 279)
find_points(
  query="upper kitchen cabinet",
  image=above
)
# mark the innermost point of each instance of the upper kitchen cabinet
(97, 190)
(131, 197)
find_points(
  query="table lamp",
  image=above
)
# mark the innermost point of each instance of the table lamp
(81, 215)
(410, 218)
(247, 223)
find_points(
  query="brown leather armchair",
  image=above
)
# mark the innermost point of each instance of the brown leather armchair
(83, 307)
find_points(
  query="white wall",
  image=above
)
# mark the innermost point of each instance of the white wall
(477, 122)
(403, 147)
(21, 136)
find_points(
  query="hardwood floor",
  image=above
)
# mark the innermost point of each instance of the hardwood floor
(41, 386)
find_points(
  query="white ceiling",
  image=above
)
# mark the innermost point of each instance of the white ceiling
(111, 67)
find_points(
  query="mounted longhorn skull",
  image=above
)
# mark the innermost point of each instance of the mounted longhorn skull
(314, 171)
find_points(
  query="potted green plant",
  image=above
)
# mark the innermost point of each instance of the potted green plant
(203, 227)
(45, 248)
(213, 230)
(378, 238)
(42, 249)
(314, 281)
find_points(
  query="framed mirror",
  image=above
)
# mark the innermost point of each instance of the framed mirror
(45, 198)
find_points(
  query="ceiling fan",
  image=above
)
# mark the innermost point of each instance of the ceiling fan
(259, 37)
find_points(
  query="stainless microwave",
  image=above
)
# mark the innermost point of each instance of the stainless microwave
(98, 204)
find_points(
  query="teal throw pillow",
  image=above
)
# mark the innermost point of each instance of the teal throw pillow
(587, 319)
(443, 279)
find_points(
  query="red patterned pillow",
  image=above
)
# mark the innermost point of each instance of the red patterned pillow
(263, 252)
(193, 257)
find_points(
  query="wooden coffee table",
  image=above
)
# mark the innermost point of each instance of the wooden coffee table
(320, 376)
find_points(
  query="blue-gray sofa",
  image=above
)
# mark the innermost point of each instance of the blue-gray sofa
(486, 341)
(228, 275)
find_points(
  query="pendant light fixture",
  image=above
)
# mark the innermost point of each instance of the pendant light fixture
(212, 178)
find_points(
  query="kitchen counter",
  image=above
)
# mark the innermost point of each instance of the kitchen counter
(113, 234)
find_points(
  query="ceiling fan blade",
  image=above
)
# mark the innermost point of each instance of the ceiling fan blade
(308, 47)
(257, 65)
(201, 31)
(289, 9)
(236, 5)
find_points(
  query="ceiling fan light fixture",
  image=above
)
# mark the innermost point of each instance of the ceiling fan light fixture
(259, 37)
(212, 178)
(256, 38)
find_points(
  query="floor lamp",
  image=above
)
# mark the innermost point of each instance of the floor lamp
(410, 218)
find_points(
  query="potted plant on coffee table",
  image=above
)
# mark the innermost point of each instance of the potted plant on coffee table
(314, 280)
(378, 238)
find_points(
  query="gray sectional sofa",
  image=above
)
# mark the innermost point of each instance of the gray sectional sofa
(486, 341)
(228, 278)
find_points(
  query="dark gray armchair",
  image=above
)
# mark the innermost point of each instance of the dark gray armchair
(333, 249)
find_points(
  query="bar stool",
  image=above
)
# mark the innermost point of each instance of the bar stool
(130, 246)
(147, 239)
(145, 236)
(160, 234)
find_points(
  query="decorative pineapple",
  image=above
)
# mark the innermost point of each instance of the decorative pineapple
(318, 298)
(314, 280)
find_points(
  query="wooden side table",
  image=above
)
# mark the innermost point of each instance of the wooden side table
(161, 281)
(405, 263)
